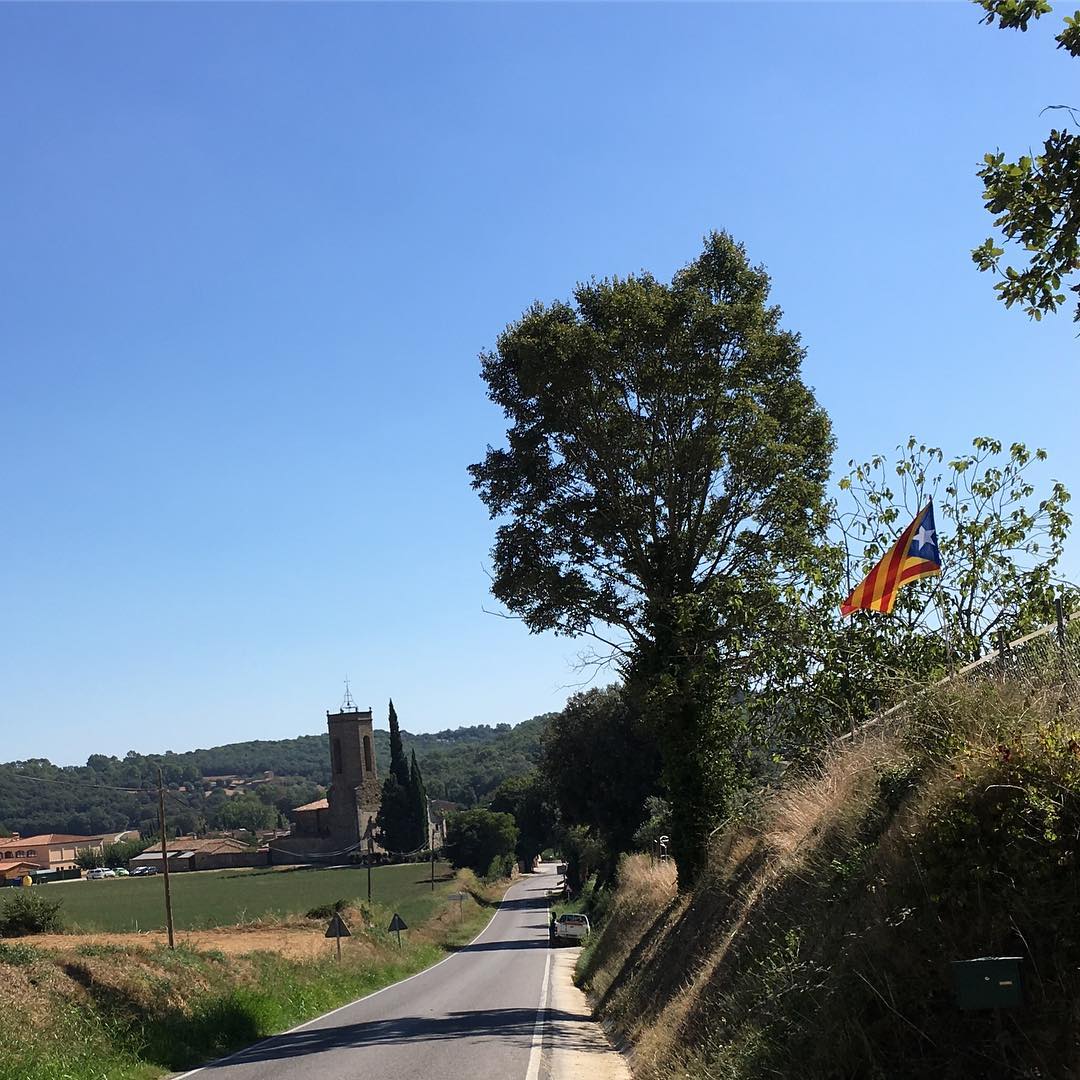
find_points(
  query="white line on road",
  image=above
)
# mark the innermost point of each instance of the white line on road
(538, 1028)
(342, 1008)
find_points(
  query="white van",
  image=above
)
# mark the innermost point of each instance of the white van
(572, 927)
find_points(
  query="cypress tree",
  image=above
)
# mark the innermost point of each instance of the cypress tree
(398, 766)
(394, 820)
(397, 814)
(418, 804)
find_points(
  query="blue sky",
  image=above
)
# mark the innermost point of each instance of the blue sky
(250, 254)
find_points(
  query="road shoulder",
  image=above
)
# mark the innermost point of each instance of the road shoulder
(579, 1047)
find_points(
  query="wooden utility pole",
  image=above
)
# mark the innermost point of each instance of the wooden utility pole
(370, 858)
(165, 857)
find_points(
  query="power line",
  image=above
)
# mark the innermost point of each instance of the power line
(78, 783)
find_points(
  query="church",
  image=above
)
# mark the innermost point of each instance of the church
(345, 820)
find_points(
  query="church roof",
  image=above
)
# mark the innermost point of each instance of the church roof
(318, 804)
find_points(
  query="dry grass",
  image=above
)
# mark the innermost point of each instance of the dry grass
(126, 1007)
(817, 942)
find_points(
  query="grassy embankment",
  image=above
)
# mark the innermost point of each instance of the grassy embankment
(817, 944)
(232, 897)
(131, 1011)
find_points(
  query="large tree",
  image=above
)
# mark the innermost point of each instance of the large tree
(1001, 534)
(1000, 541)
(1035, 200)
(482, 841)
(664, 465)
(601, 762)
(526, 800)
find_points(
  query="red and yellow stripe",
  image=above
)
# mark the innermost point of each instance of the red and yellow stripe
(877, 591)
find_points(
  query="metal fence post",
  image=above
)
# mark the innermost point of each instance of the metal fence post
(1059, 611)
(1003, 648)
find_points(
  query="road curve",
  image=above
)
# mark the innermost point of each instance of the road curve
(472, 1017)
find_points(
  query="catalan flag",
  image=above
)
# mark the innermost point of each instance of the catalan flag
(914, 555)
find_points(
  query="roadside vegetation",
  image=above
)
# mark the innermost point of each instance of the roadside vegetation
(818, 940)
(666, 491)
(133, 1011)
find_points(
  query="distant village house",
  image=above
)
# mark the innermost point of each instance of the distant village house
(57, 851)
(212, 853)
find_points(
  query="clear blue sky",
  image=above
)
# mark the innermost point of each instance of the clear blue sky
(249, 254)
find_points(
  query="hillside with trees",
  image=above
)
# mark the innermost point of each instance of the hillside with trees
(463, 765)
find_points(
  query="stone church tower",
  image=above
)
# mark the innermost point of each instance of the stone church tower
(338, 825)
(355, 795)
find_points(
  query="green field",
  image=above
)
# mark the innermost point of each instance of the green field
(206, 899)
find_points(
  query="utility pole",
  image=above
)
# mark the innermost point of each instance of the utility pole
(370, 857)
(165, 857)
(432, 842)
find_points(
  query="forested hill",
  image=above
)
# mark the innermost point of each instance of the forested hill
(464, 765)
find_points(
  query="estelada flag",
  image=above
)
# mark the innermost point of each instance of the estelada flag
(914, 555)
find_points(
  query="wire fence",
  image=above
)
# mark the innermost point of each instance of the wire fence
(1047, 656)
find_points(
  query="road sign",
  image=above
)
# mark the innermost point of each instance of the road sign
(460, 897)
(337, 930)
(397, 924)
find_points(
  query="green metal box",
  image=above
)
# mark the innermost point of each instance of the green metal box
(989, 982)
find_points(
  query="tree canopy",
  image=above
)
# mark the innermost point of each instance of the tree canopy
(1035, 199)
(664, 463)
(464, 765)
(601, 763)
(527, 799)
(481, 840)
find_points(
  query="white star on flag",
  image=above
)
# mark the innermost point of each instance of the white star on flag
(925, 537)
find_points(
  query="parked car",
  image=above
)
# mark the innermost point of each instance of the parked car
(144, 871)
(572, 927)
(121, 872)
(99, 872)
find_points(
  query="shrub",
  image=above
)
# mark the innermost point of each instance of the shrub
(501, 866)
(18, 955)
(328, 911)
(28, 912)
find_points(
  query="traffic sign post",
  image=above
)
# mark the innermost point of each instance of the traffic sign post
(397, 924)
(460, 898)
(337, 930)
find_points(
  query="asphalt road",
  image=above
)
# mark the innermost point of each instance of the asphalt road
(472, 1017)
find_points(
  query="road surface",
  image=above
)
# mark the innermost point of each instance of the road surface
(485, 1013)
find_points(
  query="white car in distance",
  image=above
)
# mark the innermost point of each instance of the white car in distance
(572, 927)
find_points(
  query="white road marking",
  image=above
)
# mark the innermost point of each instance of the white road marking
(538, 1028)
(342, 1008)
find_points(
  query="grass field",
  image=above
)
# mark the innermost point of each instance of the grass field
(131, 1009)
(206, 899)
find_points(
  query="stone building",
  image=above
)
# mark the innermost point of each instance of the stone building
(344, 819)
